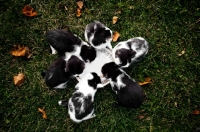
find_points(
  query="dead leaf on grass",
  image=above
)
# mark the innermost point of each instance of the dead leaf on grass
(21, 51)
(43, 113)
(147, 81)
(141, 117)
(115, 19)
(196, 112)
(78, 12)
(79, 8)
(79, 4)
(28, 11)
(182, 52)
(19, 79)
(116, 35)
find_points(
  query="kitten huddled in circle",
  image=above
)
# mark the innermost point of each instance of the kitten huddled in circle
(129, 93)
(61, 71)
(98, 35)
(64, 42)
(81, 104)
(127, 52)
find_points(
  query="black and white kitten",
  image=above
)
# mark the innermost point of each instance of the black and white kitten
(130, 51)
(98, 35)
(81, 104)
(128, 91)
(65, 42)
(60, 71)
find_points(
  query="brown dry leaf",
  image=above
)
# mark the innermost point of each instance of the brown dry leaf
(115, 37)
(19, 79)
(141, 117)
(182, 52)
(79, 4)
(78, 12)
(28, 11)
(21, 51)
(43, 113)
(114, 19)
(196, 112)
(147, 81)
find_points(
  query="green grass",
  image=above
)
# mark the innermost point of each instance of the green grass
(169, 26)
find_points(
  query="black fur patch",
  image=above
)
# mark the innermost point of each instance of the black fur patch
(56, 74)
(62, 40)
(131, 95)
(110, 70)
(88, 53)
(100, 36)
(93, 82)
(75, 65)
(125, 55)
(86, 105)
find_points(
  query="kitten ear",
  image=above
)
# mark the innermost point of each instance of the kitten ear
(89, 76)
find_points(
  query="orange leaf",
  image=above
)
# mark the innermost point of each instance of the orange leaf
(21, 51)
(114, 19)
(116, 35)
(141, 117)
(78, 12)
(28, 11)
(43, 113)
(196, 112)
(19, 79)
(79, 4)
(147, 81)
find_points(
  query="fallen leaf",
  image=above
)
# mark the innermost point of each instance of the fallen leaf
(147, 81)
(78, 12)
(19, 79)
(66, 8)
(79, 4)
(43, 113)
(182, 52)
(118, 12)
(114, 19)
(116, 35)
(21, 51)
(196, 112)
(141, 117)
(28, 11)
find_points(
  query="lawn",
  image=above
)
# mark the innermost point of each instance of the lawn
(173, 63)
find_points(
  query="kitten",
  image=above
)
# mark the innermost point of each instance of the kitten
(65, 42)
(130, 51)
(98, 35)
(128, 91)
(81, 104)
(56, 76)
(60, 71)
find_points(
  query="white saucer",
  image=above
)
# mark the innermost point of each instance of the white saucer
(103, 56)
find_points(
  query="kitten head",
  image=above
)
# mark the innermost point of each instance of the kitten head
(109, 70)
(75, 65)
(101, 36)
(94, 80)
(88, 53)
(124, 55)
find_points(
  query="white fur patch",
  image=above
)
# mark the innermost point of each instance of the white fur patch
(61, 86)
(103, 56)
(53, 50)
